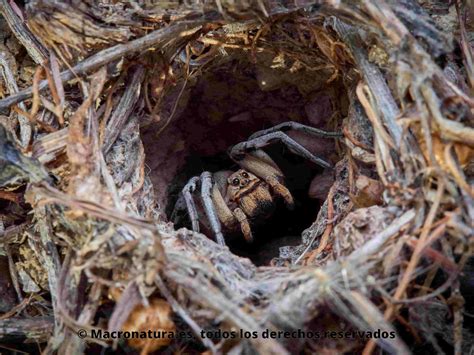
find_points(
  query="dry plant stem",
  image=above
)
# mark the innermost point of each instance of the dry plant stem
(37, 329)
(327, 232)
(355, 142)
(17, 309)
(449, 129)
(155, 38)
(363, 94)
(372, 246)
(208, 294)
(310, 244)
(433, 255)
(387, 20)
(184, 315)
(11, 232)
(466, 48)
(55, 71)
(382, 139)
(62, 311)
(426, 130)
(48, 253)
(374, 318)
(420, 299)
(70, 288)
(415, 258)
(54, 81)
(51, 195)
(373, 77)
(124, 109)
(23, 34)
(35, 105)
(428, 281)
(10, 196)
(124, 306)
(175, 107)
(52, 87)
(395, 29)
(7, 74)
(456, 171)
(50, 146)
(459, 92)
(13, 273)
(76, 345)
(110, 183)
(378, 163)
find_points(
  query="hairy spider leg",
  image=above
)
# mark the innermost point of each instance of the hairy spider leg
(239, 150)
(244, 224)
(180, 205)
(209, 208)
(295, 126)
(187, 193)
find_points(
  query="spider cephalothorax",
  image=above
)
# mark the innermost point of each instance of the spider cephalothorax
(234, 201)
(252, 194)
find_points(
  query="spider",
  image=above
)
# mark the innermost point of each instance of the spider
(234, 201)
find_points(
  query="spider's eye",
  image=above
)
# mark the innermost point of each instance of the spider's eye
(245, 175)
(235, 182)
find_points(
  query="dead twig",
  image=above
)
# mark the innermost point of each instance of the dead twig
(111, 54)
(124, 109)
(466, 47)
(13, 273)
(9, 78)
(34, 48)
(184, 315)
(448, 129)
(327, 232)
(417, 253)
(371, 247)
(373, 77)
(37, 329)
(51, 195)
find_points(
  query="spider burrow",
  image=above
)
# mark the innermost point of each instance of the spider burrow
(234, 201)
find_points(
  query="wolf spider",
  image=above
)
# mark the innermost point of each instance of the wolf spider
(236, 200)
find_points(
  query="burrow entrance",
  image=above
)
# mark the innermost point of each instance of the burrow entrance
(224, 107)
